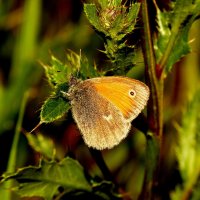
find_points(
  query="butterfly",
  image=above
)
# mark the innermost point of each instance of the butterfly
(104, 107)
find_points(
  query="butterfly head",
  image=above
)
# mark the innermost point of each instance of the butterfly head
(73, 81)
(73, 87)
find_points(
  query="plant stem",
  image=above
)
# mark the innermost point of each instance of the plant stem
(154, 110)
(13, 153)
(101, 164)
(156, 86)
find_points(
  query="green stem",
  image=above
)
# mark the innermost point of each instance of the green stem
(155, 118)
(155, 110)
(101, 164)
(13, 153)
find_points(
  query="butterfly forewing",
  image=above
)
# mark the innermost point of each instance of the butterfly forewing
(128, 95)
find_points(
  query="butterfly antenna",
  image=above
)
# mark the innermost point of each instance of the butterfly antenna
(36, 127)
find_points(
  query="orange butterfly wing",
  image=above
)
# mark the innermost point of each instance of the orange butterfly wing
(128, 95)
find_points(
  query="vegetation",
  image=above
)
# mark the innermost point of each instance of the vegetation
(42, 155)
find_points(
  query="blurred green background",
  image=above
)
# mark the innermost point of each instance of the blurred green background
(29, 31)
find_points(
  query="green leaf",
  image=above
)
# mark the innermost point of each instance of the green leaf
(180, 49)
(57, 73)
(177, 194)
(103, 3)
(86, 69)
(115, 21)
(172, 43)
(53, 109)
(131, 18)
(74, 61)
(188, 149)
(45, 180)
(164, 33)
(106, 3)
(42, 145)
(91, 13)
(106, 191)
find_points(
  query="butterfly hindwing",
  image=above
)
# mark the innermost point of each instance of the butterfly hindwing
(101, 124)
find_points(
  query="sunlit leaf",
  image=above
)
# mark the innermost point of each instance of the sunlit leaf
(53, 109)
(57, 73)
(45, 180)
(91, 13)
(131, 17)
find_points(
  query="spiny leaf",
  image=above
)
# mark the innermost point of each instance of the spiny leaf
(86, 69)
(106, 3)
(164, 33)
(45, 180)
(57, 73)
(172, 43)
(180, 49)
(115, 21)
(53, 109)
(91, 13)
(132, 17)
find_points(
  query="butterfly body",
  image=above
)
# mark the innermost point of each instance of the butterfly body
(104, 107)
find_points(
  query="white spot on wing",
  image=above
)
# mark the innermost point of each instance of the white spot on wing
(108, 118)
